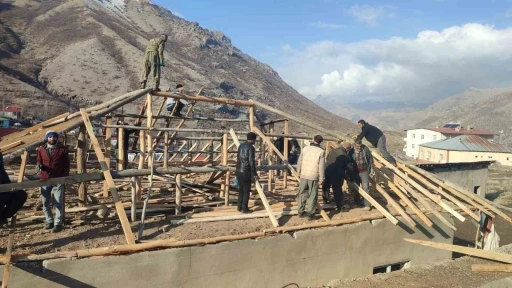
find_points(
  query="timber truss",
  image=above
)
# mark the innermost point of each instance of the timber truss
(162, 151)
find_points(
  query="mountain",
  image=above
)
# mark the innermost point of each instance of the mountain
(76, 53)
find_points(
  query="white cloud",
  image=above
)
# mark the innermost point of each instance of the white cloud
(286, 47)
(370, 14)
(324, 25)
(431, 66)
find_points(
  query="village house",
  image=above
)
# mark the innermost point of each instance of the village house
(418, 136)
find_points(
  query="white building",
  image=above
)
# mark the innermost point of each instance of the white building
(416, 137)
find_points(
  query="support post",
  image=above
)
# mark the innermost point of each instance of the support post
(81, 165)
(224, 161)
(179, 191)
(142, 157)
(120, 149)
(270, 160)
(286, 156)
(108, 178)
(108, 149)
(166, 150)
(149, 111)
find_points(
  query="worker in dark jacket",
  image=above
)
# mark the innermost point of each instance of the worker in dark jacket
(246, 171)
(10, 202)
(376, 138)
(338, 167)
(53, 162)
(362, 157)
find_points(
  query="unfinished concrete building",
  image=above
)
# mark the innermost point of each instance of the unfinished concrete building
(163, 218)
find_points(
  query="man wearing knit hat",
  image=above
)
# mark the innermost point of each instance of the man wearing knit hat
(53, 162)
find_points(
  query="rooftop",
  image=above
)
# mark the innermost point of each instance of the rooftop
(472, 143)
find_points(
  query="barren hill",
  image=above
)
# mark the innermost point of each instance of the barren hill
(81, 52)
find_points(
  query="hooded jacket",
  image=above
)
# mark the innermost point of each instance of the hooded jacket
(54, 165)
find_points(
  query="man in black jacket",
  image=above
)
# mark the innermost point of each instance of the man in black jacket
(376, 138)
(10, 202)
(338, 167)
(246, 171)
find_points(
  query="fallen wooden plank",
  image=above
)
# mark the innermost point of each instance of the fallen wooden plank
(491, 255)
(491, 267)
(234, 217)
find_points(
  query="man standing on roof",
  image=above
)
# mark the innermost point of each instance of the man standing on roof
(153, 60)
(53, 162)
(376, 138)
(338, 167)
(310, 168)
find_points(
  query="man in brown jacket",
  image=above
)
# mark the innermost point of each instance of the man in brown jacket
(310, 167)
(53, 162)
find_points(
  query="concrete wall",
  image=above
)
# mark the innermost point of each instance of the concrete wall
(463, 156)
(311, 257)
(468, 178)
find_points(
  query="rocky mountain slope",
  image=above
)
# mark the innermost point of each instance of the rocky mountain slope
(487, 109)
(77, 53)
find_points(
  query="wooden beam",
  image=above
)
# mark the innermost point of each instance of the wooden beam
(455, 192)
(108, 150)
(81, 166)
(120, 149)
(376, 204)
(410, 204)
(151, 147)
(490, 255)
(142, 157)
(219, 100)
(224, 162)
(395, 205)
(491, 267)
(420, 188)
(440, 191)
(286, 148)
(110, 181)
(166, 150)
(10, 145)
(285, 161)
(179, 191)
(263, 198)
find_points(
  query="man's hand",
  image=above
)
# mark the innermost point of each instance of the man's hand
(321, 182)
(372, 173)
(354, 137)
(162, 64)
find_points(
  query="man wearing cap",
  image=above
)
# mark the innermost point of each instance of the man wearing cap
(53, 162)
(246, 171)
(310, 167)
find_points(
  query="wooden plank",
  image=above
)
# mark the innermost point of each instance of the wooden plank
(149, 121)
(81, 166)
(270, 173)
(23, 166)
(401, 184)
(108, 150)
(166, 150)
(491, 267)
(134, 199)
(142, 157)
(263, 198)
(410, 204)
(179, 191)
(224, 161)
(108, 178)
(186, 153)
(120, 149)
(10, 145)
(179, 149)
(395, 205)
(375, 204)
(490, 255)
(440, 191)
(285, 161)
(286, 148)
(464, 194)
(455, 192)
(420, 188)
(202, 150)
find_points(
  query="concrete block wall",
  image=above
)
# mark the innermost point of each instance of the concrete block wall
(311, 257)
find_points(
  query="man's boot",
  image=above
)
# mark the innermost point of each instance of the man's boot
(143, 84)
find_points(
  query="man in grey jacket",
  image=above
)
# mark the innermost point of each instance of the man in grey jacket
(363, 159)
(310, 167)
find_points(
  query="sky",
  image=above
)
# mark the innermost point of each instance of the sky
(354, 51)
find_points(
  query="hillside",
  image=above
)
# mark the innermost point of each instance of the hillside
(77, 53)
(487, 109)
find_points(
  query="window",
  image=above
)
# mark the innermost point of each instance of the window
(390, 268)
(476, 189)
(490, 157)
(413, 136)
(441, 157)
(476, 156)
(434, 137)
(428, 155)
(412, 146)
(422, 136)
